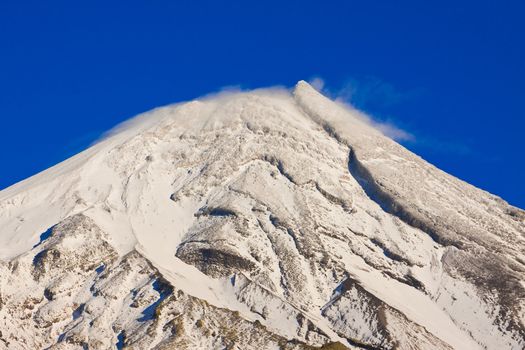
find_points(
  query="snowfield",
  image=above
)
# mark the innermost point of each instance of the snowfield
(267, 219)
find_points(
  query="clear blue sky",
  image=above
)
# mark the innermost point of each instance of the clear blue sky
(450, 73)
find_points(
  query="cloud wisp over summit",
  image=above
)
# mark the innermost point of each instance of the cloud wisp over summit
(357, 95)
(344, 96)
(387, 127)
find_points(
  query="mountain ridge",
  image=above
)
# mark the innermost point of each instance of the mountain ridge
(285, 208)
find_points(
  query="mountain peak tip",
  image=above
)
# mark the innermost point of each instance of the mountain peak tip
(302, 84)
(304, 88)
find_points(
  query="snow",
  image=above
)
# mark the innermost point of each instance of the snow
(279, 162)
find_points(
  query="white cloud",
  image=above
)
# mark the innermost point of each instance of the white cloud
(317, 83)
(388, 128)
(152, 117)
(341, 96)
(348, 93)
(394, 132)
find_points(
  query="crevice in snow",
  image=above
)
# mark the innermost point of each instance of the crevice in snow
(164, 289)
(216, 211)
(279, 225)
(291, 233)
(283, 282)
(48, 294)
(389, 253)
(336, 294)
(121, 339)
(78, 311)
(45, 235)
(280, 166)
(333, 199)
(100, 269)
(387, 201)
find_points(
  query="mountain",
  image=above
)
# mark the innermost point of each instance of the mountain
(257, 220)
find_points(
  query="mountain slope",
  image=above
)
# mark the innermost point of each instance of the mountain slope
(257, 220)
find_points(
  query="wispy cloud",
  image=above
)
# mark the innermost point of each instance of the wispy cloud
(154, 116)
(317, 83)
(353, 95)
(373, 92)
(393, 131)
(352, 92)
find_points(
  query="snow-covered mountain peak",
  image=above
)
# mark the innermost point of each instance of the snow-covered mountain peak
(262, 219)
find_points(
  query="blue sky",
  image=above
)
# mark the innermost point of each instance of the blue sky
(450, 74)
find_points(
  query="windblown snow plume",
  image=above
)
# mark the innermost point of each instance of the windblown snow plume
(257, 220)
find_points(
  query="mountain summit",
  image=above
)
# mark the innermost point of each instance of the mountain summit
(257, 220)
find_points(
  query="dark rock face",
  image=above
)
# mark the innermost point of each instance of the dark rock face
(214, 262)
